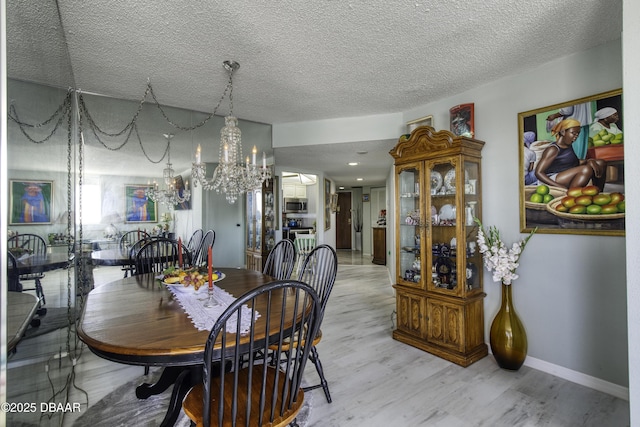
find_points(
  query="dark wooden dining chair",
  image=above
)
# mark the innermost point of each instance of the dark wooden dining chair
(259, 394)
(156, 255)
(127, 242)
(208, 241)
(281, 260)
(195, 241)
(31, 244)
(133, 251)
(319, 270)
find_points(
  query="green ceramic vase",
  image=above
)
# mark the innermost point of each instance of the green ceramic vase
(508, 337)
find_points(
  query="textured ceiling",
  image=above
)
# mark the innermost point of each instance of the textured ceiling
(299, 60)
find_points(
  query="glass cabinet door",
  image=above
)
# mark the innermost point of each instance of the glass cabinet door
(269, 217)
(250, 221)
(257, 216)
(410, 225)
(472, 209)
(444, 222)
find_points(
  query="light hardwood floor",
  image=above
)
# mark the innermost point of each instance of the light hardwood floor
(374, 380)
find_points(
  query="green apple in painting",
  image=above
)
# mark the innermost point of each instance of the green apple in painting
(594, 209)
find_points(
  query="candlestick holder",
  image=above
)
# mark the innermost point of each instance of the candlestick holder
(210, 300)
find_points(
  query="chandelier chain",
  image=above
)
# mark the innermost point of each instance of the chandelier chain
(197, 125)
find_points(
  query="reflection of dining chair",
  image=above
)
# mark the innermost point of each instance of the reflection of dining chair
(259, 394)
(194, 243)
(133, 251)
(304, 244)
(13, 278)
(319, 271)
(203, 251)
(281, 260)
(127, 241)
(156, 255)
(31, 244)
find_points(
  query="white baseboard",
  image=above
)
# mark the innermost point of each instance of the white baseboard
(578, 378)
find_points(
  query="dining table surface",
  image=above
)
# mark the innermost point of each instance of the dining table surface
(138, 321)
(40, 263)
(113, 256)
(21, 308)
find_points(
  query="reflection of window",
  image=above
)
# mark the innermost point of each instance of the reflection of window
(91, 204)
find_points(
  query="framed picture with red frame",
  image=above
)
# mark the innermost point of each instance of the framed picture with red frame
(461, 120)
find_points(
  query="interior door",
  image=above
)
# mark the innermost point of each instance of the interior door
(343, 221)
(228, 221)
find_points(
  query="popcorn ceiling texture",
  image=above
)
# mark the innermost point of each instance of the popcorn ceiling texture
(299, 60)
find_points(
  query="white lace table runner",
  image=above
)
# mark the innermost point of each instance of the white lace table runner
(203, 317)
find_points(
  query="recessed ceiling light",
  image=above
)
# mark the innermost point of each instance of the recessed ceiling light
(359, 179)
(341, 188)
(353, 163)
(362, 152)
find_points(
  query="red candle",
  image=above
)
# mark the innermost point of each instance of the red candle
(179, 252)
(210, 268)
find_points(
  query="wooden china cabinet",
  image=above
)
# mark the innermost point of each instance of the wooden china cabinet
(261, 224)
(439, 291)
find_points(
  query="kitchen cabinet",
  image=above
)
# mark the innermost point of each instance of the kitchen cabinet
(262, 215)
(380, 245)
(439, 289)
(297, 191)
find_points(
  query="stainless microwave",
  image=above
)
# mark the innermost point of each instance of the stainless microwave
(292, 205)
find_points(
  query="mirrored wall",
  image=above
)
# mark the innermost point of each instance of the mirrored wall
(76, 161)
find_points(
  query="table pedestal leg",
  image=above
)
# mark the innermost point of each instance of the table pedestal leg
(183, 379)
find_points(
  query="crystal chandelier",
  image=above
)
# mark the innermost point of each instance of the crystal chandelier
(234, 175)
(172, 195)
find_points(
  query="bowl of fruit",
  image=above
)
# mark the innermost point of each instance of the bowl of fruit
(536, 199)
(587, 207)
(190, 278)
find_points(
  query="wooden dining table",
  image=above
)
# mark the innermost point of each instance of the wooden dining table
(137, 320)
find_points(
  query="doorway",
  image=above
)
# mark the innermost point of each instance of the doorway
(343, 221)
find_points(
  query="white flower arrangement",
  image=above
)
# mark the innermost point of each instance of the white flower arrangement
(502, 262)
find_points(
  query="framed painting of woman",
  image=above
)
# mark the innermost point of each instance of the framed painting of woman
(571, 158)
(139, 207)
(30, 202)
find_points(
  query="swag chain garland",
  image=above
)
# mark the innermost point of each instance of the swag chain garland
(65, 108)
